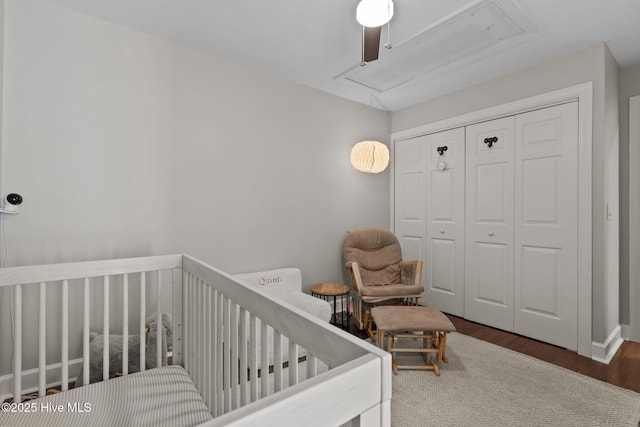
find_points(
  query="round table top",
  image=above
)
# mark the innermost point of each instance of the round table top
(330, 289)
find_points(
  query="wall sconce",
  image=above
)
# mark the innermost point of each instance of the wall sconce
(370, 156)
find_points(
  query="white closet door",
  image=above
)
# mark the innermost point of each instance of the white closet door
(409, 191)
(546, 232)
(489, 223)
(444, 286)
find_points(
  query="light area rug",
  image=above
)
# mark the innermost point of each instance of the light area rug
(487, 385)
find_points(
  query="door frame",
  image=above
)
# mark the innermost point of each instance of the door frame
(634, 209)
(583, 93)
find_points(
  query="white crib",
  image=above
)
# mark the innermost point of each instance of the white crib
(217, 322)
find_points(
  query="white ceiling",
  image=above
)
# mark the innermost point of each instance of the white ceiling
(313, 42)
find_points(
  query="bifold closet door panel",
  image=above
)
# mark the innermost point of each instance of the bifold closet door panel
(409, 197)
(489, 223)
(444, 286)
(546, 233)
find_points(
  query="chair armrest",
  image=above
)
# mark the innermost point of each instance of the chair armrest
(356, 279)
(411, 272)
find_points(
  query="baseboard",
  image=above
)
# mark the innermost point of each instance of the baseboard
(30, 378)
(625, 332)
(604, 352)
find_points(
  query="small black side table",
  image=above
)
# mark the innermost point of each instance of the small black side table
(326, 291)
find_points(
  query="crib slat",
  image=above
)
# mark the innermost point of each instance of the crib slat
(293, 363)
(65, 335)
(125, 324)
(212, 350)
(86, 335)
(17, 345)
(197, 307)
(159, 318)
(190, 342)
(143, 316)
(186, 330)
(264, 359)
(277, 361)
(218, 354)
(253, 357)
(177, 301)
(234, 354)
(194, 337)
(195, 328)
(199, 334)
(185, 319)
(204, 332)
(243, 356)
(42, 346)
(105, 331)
(209, 335)
(312, 365)
(226, 354)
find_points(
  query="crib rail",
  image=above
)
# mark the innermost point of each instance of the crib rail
(229, 337)
(23, 278)
(340, 394)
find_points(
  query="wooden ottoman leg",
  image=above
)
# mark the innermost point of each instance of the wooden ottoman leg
(442, 345)
(427, 343)
(394, 364)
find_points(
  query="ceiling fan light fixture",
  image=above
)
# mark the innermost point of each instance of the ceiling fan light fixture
(374, 13)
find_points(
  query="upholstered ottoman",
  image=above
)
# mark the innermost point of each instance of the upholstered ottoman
(425, 323)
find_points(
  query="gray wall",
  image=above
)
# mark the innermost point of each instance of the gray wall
(263, 179)
(629, 87)
(591, 64)
(124, 144)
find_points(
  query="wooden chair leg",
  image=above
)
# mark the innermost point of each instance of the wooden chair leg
(380, 339)
(368, 322)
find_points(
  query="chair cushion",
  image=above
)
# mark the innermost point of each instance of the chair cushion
(377, 253)
(391, 290)
(410, 318)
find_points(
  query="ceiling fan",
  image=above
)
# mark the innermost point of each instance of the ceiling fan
(372, 15)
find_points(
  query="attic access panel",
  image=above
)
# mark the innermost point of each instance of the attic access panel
(469, 34)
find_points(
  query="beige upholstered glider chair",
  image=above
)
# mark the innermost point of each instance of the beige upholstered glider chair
(379, 276)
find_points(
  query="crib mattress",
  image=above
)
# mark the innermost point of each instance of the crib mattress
(157, 397)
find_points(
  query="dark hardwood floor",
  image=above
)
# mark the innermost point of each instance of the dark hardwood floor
(623, 371)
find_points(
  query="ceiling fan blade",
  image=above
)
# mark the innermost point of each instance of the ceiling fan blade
(370, 43)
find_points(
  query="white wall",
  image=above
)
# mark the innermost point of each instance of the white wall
(123, 144)
(582, 66)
